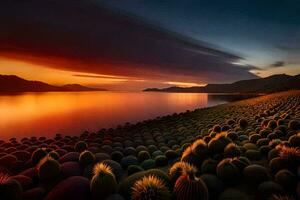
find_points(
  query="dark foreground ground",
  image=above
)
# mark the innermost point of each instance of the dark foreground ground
(243, 150)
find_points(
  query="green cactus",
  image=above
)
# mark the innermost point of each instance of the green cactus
(149, 188)
(103, 182)
(190, 187)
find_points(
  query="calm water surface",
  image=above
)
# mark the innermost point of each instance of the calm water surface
(44, 114)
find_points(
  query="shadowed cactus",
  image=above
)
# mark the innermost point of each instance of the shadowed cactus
(294, 140)
(148, 164)
(273, 153)
(294, 125)
(277, 164)
(117, 156)
(272, 124)
(150, 188)
(177, 170)
(232, 135)
(209, 166)
(161, 161)
(286, 179)
(132, 169)
(143, 155)
(80, 146)
(268, 188)
(190, 187)
(227, 171)
(200, 149)
(232, 150)
(230, 122)
(129, 160)
(253, 154)
(103, 182)
(54, 155)
(214, 185)
(241, 162)
(157, 153)
(9, 189)
(86, 158)
(233, 194)
(38, 154)
(74, 187)
(48, 169)
(171, 154)
(253, 138)
(218, 143)
(255, 174)
(217, 129)
(189, 157)
(115, 197)
(243, 123)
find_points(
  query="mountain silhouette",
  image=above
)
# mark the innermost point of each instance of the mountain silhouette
(274, 83)
(12, 83)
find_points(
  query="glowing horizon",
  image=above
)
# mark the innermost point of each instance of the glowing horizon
(38, 72)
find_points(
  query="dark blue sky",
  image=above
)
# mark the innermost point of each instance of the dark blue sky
(262, 31)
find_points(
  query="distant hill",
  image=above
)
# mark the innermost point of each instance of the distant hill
(12, 83)
(77, 87)
(275, 83)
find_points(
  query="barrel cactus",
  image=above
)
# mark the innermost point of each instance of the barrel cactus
(255, 174)
(86, 158)
(132, 169)
(190, 187)
(291, 155)
(200, 149)
(38, 154)
(149, 188)
(177, 170)
(48, 169)
(286, 179)
(209, 166)
(103, 182)
(148, 164)
(189, 157)
(232, 150)
(268, 188)
(80, 146)
(143, 155)
(241, 162)
(243, 123)
(227, 171)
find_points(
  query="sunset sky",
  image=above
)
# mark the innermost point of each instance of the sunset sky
(131, 45)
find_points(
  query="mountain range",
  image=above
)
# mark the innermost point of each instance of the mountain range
(274, 83)
(12, 83)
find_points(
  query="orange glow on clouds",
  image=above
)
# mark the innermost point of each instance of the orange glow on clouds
(184, 84)
(40, 72)
(31, 71)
